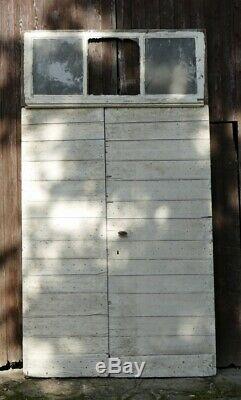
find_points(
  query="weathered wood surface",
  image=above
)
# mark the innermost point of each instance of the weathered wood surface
(140, 115)
(64, 190)
(160, 267)
(62, 131)
(62, 170)
(158, 304)
(158, 284)
(175, 365)
(158, 170)
(177, 229)
(163, 326)
(156, 150)
(55, 116)
(159, 229)
(158, 130)
(153, 345)
(160, 209)
(86, 326)
(222, 24)
(64, 240)
(159, 190)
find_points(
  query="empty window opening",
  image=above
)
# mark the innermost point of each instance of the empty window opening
(113, 67)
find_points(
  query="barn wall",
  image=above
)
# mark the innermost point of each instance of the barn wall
(221, 19)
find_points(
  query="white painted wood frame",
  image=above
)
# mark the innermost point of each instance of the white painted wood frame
(86, 100)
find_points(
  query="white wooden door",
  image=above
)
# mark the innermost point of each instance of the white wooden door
(143, 291)
(65, 317)
(160, 267)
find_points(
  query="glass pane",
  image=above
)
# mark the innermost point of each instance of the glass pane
(57, 66)
(170, 66)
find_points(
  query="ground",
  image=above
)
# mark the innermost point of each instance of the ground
(226, 385)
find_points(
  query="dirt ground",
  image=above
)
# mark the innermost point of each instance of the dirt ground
(226, 385)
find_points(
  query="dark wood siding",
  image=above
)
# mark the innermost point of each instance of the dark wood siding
(221, 20)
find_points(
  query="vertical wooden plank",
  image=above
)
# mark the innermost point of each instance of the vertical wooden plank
(226, 230)
(167, 14)
(10, 138)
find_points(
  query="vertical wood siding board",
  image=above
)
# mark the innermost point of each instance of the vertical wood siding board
(182, 14)
(167, 14)
(226, 229)
(3, 332)
(10, 191)
(214, 58)
(123, 14)
(138, 20)
(152, 14)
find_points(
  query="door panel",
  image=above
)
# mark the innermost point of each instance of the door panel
(64, 242)
(160, 271)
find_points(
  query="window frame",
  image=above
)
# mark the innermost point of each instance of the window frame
(114, 100)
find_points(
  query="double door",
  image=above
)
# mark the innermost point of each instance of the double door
(117, 241)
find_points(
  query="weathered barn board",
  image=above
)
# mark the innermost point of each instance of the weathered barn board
(174, 365)
(222, 23)
(161, 304)
(158, 130)
(161, 326)
(160, 267)
(161, 284)
(158, 170)
(62, 233)
(158, 208)
(159, 229)
(152, 345)
(168, 190)
(157, 232)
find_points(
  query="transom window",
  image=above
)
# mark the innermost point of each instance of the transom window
(136, 67)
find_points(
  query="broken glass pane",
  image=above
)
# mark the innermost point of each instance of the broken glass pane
(57, 66)
(170, 66)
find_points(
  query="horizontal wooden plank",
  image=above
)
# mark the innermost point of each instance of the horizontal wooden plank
(32, 133)
(160, 284)
(149, 150)
(60, 365)
(61, 304)
(158, 190)
(159, 229)
(160, 267)
(63, 190)
(37, 285)
(64, 228)
(160, 209)
(140, 114)
(78, 150)
(62, 171)
(155, 250)
(64, 115)
(165, 305)
(158, 130)
(154, 326)
(158, 170)
(78, 266)
(88, 326)
(67, 345)
(175, 366)
(62, 249)
(66, 209)
(146, 345)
